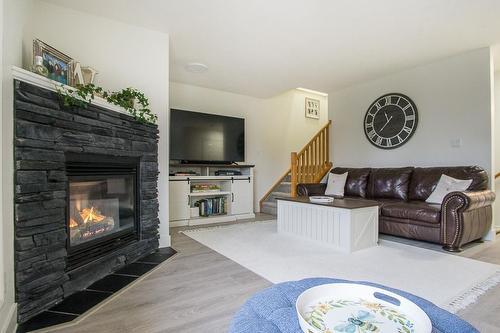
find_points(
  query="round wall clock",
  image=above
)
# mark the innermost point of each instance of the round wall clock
(390, 121)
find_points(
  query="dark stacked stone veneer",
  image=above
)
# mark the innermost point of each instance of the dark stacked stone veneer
(44, 132)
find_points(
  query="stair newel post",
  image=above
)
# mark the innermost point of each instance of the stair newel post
(293, 175)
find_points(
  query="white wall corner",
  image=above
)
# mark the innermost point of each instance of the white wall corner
(8, 318)
(165, 240)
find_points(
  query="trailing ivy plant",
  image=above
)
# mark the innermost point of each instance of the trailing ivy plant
(130, 99)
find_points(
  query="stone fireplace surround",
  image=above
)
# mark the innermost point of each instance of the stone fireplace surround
(45, 133)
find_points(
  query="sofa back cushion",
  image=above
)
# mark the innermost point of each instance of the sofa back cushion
(357, 181)
(389, 183)
(424, 180)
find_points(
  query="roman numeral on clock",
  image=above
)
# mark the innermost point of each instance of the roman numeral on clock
(407, 129)
(372, 134)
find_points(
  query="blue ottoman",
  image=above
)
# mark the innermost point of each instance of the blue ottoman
(273, 309)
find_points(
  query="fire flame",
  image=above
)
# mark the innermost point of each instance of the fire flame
(72, 223)
(91, 215)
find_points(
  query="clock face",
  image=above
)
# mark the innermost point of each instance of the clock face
(391, 121)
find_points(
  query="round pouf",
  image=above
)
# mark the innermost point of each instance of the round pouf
(273, 309)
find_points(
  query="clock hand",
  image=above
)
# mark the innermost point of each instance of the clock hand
(385, 113)
(388, 120)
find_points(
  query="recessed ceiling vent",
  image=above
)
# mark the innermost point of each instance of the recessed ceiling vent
(196, 67)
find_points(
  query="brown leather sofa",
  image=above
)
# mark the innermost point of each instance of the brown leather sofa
(463, 217)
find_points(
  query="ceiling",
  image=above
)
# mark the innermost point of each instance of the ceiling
(264, 47)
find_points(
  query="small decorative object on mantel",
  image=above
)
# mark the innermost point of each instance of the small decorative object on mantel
(312, 108)
(132, 100)
(38, 67)
(83, 75)
(89, 74)
(59, 65)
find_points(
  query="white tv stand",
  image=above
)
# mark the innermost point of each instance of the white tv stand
(237, 191)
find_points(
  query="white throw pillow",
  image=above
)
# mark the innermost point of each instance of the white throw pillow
(446, 185)
(335, 185)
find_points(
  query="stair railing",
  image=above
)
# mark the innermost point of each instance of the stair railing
(311, 163)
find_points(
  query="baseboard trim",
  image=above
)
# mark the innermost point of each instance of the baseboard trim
(8, 319)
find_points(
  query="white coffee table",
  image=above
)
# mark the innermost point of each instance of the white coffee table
(348, 225)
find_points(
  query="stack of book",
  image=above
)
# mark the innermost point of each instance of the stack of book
(212, 206)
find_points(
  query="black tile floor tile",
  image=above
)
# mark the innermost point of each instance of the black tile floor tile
(112, 283)
(136, 269)
(77, 304)
(45, 319)
(159, 256)
(81, 301)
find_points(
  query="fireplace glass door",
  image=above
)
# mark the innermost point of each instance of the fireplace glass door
(100, 207)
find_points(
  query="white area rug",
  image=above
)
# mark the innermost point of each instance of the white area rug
(447, 280)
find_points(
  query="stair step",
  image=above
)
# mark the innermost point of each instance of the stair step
(284, 187)
(280, 194)
(272, 197)
(269, 208)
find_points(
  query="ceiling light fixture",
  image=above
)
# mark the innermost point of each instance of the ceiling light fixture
(196, 67)
(312, 91)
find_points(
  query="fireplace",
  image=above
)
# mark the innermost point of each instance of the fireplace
(102, 206)
(86, 196)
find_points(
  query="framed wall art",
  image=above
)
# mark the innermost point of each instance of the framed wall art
(59, 66)
(312, 108)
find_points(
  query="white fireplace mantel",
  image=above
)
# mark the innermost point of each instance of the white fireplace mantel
(43, 82)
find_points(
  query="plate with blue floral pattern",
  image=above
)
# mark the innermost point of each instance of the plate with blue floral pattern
(356, 308)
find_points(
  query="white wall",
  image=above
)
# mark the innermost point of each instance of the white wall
(453, 98)
(15, 15)
(124, 55)
(497, 146)
(274, 127)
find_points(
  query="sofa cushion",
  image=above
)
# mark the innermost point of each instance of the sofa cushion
(357, 180)
(413, 210)
(389, 183)
(447, 185)
(336, 184)
(424, 180)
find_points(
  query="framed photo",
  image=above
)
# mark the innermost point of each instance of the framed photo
(58, 64)
(312, 108)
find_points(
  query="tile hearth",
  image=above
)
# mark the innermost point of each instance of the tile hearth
(80, 302)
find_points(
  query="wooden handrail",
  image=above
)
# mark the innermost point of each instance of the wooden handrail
(312, 162)
(497, 175)
(309, 165)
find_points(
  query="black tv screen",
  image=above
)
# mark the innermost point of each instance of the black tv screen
(202, 137)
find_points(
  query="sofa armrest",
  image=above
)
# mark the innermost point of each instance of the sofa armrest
(465, 217)
(311, 189)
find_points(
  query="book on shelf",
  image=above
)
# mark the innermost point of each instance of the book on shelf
(196, 188)
(212, 206)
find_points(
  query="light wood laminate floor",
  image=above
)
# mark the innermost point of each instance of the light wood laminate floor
(199, 290)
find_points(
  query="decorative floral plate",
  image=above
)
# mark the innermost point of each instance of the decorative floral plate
(355, 308)
(320, 199)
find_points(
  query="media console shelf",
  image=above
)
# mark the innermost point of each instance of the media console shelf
(227, 198)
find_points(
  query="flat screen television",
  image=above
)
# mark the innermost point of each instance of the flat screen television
(197, 137)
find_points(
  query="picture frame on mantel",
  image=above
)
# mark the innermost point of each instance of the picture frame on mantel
(58, 64)
(312, 108)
